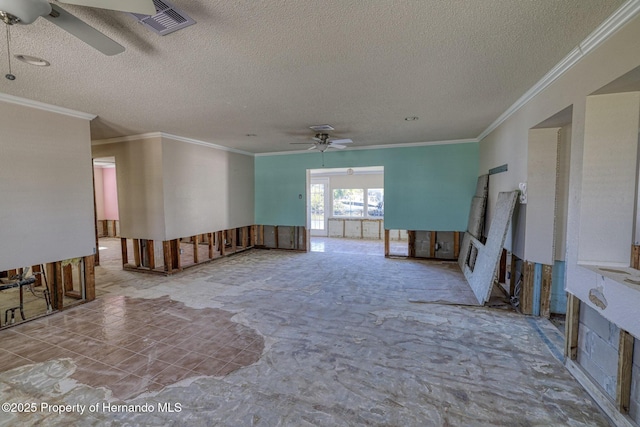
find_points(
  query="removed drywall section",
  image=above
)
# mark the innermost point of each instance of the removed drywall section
(480, 275)
(598, 348)
(46, 187)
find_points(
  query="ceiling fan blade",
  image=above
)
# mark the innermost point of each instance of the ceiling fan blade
(145, 7)
(339, 147)
(305, 143)
(340, 141)
(83, 31)
(315, 147)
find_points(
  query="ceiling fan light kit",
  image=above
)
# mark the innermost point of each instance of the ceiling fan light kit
(25, 12)
(322, 141)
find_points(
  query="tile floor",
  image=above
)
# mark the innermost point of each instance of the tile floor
(132, 345)
(271, 338)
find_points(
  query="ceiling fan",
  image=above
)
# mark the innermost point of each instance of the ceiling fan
(27, 11)
(323, 141)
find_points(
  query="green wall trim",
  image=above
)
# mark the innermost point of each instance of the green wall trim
(426, 187)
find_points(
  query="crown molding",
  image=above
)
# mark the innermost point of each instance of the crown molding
(126, 138)
(374, 147)
(168, 136)
(24, 102)
(205, 144)
(613, 23)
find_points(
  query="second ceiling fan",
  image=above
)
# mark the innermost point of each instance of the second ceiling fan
(322, 141)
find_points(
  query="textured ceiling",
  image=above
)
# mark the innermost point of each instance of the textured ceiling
(274, 67)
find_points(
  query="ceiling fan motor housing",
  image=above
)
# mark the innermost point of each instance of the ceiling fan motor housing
(23, 11)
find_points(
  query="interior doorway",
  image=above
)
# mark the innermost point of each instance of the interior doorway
(105, 190)
(346, 208)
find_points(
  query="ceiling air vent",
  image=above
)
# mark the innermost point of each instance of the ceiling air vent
(168, 19)
(320, 128)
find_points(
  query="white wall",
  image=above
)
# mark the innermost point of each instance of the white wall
(562, 192)
(542, 159)
(508, 144)
(609, 174)
(46, 187)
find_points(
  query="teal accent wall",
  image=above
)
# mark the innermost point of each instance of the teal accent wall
(425, 188)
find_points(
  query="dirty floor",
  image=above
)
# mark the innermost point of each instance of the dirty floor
(266, 338)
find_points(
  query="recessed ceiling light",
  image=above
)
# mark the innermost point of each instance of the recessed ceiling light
(33, 60)
(411, 119)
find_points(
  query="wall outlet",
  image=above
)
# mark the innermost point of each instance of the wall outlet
(523, 193)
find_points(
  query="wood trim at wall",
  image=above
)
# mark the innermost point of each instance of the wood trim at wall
(526, 293)
(151, 254)
(545, 293)
(58, 287)
(136, 252)
(89, 278)
(125, 256)
(635, 257)
(196, 244)
(432, 244)
(572, 324)
(386, 243)
(625, 363)
(411, 237)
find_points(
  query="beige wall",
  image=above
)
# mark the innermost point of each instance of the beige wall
(508, 144)
(205, 189)
(140, 191)
(99, 189)
(46, 191)
(169, 189)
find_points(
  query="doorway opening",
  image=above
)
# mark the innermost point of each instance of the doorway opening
(345, 209)
(105, 190)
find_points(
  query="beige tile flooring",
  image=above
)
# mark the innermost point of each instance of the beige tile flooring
(131, 345)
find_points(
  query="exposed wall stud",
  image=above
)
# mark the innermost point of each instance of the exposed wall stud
(571, 327)
(625, 362)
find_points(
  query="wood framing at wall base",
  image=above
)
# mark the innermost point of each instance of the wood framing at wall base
(481, 275)
(282, 237)
(179, 254)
